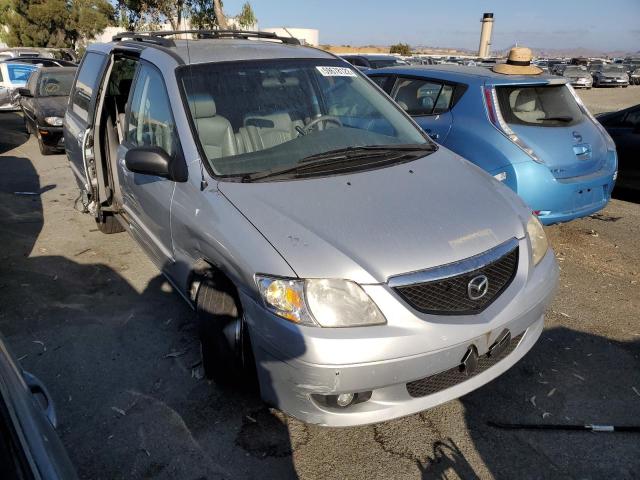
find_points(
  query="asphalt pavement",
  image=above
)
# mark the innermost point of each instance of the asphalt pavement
(91, 316)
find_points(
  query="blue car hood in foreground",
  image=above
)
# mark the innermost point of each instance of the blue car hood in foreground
(369, 226)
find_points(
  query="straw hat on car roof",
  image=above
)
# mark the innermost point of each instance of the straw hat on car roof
(518, 63)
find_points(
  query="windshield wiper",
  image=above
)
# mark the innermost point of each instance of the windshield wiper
(377, 153)
(560, 118)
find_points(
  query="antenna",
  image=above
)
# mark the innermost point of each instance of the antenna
(203, 181)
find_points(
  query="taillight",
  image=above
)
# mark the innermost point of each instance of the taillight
(496, 119)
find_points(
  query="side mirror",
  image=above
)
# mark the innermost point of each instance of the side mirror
(148, 161)
(24, 92)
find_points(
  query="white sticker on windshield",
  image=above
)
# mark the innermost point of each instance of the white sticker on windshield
(336, 71)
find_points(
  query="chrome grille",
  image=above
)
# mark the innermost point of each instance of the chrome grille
(453, 376)
(450, 296)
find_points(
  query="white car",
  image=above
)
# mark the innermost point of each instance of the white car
(13, 75)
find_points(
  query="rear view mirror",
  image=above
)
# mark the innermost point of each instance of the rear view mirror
(148, 161)
(24, 92)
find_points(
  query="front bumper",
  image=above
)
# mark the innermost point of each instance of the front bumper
(613, 81)
(51, 136)
(582, 83)
(294, 363)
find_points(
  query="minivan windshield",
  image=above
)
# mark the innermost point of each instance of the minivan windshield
(253, 117)
(543, 106)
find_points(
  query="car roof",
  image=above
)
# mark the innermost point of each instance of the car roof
(468, 74)
(56, 69)
(207, 50)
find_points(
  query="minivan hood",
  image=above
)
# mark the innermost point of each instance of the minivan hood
(369, 226)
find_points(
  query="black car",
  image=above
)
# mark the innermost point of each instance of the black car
(43, 102)
(624, 128)
(29, 446)
(44, 61)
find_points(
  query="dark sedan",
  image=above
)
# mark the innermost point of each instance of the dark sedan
(624, 128)
(29, 446)
(43, 102)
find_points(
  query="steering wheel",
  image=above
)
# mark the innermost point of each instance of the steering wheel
(321, 123)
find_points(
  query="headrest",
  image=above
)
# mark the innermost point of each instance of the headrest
(202, 105)
(276, 82)
(427, 103)
(526, 101)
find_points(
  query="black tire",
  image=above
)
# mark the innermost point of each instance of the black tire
(108, 224)
(227, 357)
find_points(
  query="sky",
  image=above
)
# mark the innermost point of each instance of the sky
(604, 25)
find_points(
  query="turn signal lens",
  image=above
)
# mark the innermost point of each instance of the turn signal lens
(285, 298)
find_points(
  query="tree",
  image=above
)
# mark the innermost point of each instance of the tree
(247, 18)
(220, 18)
(401, 48)
(55, 23)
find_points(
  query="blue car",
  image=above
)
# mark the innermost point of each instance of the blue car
(531, 132)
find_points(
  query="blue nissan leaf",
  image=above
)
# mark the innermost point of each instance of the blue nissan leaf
(531, 132)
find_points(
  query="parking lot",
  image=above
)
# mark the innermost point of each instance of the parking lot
(91, 316)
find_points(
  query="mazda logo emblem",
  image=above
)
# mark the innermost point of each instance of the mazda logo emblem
(478, 287)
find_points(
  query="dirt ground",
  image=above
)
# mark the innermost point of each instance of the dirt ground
(91, 316)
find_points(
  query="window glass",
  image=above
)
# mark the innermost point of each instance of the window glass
(55, 84)
(444, 99)
(150, 122)
(255, 116)
(548, 106)
(416, 97)
(86, 85)
(19, 73)
(380, 80)
(31, 84)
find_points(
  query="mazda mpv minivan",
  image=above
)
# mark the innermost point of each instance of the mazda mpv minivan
(532, 132)
(329, 247)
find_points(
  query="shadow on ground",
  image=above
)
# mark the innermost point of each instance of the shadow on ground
(123, 365)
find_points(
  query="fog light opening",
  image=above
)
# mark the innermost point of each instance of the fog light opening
(342, 400)
(345, 399)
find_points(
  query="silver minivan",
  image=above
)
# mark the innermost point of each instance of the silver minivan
(330, 249)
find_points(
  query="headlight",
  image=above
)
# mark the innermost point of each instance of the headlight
(319, 302)
(54, 121)
(538, 239)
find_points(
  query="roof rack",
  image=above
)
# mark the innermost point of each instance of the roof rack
(157, 37)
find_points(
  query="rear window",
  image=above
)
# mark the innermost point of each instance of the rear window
(19, 73)
(543, 106)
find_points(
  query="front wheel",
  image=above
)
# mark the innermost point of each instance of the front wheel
(227, 357)
(107, 223)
